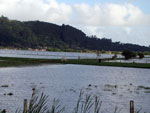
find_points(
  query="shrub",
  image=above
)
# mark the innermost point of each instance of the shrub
(128, 54)
(141, 55)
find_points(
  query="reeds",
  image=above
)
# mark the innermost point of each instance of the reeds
(38, 104)
(85, 104)
(88, 105)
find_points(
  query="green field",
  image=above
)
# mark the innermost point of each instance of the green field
(8, 62)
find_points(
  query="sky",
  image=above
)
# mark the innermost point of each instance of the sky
(127, 21)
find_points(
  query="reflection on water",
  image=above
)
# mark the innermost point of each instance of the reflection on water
(68, 55)
(144, 60)
(51, 55)
(114, 85)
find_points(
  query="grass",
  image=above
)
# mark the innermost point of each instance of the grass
(87, 104)
(38, 104)
(4, 85)
(7, 62)
(144, 87)
(116, 64)
(10, 61)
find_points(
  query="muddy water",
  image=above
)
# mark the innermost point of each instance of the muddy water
(115, 86)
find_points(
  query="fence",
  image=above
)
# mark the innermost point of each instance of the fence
(131, 106)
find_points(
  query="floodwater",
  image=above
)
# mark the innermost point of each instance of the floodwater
(64, 82)
(51, 55)
(143, 60)
(67, 55)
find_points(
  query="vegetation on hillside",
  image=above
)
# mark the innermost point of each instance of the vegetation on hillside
(36, 34)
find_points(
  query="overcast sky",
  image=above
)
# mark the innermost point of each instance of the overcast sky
(127, 21)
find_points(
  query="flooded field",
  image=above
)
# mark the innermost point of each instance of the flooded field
(115, 86)
(67, 55)
(51, 55)
(143, 60)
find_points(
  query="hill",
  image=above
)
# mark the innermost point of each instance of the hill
(33, 34)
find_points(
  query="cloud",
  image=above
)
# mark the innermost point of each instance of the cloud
(97, 15)
(58, 13)
(110, 14)
(116, 21)
(128, 34)
(50, 11)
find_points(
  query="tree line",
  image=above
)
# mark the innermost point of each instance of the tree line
(37, 34)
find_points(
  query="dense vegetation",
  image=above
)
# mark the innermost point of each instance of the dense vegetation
(36, 34)
(141, 55)
(128, 54)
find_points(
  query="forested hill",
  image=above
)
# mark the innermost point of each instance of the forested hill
(33, 34)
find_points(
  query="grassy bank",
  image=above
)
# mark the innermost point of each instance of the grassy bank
(116, 64)
(10, 61)
(7, 62)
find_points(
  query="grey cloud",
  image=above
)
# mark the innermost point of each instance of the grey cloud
(136, 35)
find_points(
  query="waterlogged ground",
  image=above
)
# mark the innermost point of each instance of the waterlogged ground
(143, 60)
(68, 55)
(51, 55)
(115, 86)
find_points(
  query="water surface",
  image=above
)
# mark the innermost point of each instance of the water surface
(64, 82)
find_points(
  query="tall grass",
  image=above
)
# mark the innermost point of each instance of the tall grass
(38, 104)
(85, 104)
(88, 105)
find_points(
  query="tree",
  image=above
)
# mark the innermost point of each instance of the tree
(128, 54)
(32, 34)
(141, 55)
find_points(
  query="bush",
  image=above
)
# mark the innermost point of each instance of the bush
(141, 55)
(128, 54)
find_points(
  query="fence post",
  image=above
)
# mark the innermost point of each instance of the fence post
(25, 106)
(131, 106)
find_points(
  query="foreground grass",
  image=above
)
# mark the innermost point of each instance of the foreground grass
(38, 104)
(7, 62)
(84, 104)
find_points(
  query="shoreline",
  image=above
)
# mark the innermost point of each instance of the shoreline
(15, 62)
